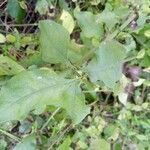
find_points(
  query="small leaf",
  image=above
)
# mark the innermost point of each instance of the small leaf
(123, 98)
(140, 54)
(65, 145)
(146, 59)
(54, 41)
(2, 38)
(3, 144)
(147, 33)
(88, 23)
(120, 91)
(15, 10)
(9, 66)
(10, 38)
(33, 90)
(42, 7)
(28, 143)
(95, 2)
(100, 144)
(107, 65)
(109, 18)
(67, 21)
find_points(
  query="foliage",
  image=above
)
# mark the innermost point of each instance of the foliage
(75, 75)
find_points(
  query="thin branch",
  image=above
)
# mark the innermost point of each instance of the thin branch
(95, 91)
(3, 3)
(51, 117)
(61, 136)
(10, 135)
(122, 27)
(19, 25)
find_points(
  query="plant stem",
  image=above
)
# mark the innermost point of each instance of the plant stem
(95, 91)
(47, 122)
(61, 136)
(10, 135)
(122, 27)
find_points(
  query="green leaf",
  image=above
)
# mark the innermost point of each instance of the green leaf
(9, 66)
(15, 10)
(11, 38)
(33, 59)
(28, 143)
(88, 23)
(140, 54)
(56, 46)
(99, 144)
(42, 7)
(107, 65)
(65, 145)
(67, 21)
(33, 90)
(2, 38)
(54, 41)
(3, 144)
(109, 18)
(146, 59)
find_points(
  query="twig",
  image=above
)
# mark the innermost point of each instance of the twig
(3, 3)
(61, 136)
(19, 25)
(122, 27)
(10, 135)
(107, 98)
(143, 92)
(95, 91)
(47, 122)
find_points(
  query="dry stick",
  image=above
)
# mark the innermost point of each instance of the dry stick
(112, 36)
(19, 25)
(47, 122)
(3, 3)
(10, 135)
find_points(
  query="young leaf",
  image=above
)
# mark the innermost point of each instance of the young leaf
(9, 66)
(33, 90)
(107, 65)
(28, 143)
(15, 10)
(54, 41)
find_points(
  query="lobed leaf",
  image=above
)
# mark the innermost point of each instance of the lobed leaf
(107, 64)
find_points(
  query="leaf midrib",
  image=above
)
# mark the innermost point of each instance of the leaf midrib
(30, 94)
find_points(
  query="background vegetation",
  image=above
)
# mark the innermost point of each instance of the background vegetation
(74, 74)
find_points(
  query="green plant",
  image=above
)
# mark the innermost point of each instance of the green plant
(65, 75)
